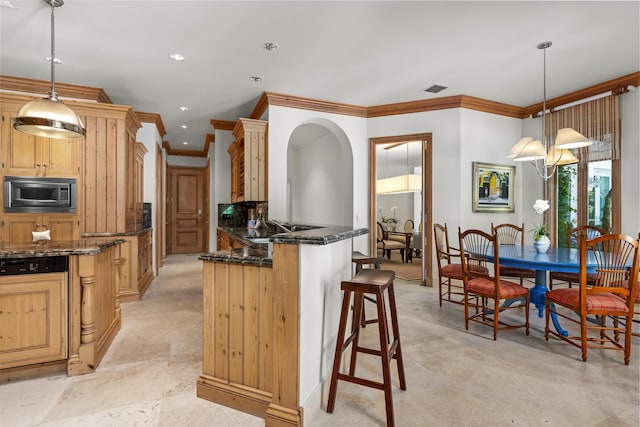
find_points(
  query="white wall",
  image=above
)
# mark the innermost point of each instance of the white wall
(191, 162)
(148, 135)
(630, 117)
(220, 176)
(459, 137)
(282, 123)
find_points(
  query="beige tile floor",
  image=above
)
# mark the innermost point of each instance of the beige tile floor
(454, 377)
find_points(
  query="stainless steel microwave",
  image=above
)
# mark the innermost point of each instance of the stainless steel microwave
(23, 194)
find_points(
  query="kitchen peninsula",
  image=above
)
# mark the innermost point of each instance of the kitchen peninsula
(270, 320)
(59, 306)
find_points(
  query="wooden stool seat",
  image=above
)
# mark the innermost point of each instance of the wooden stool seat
(380, 284)
(360, 259)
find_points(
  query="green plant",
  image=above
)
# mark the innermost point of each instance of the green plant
(539, 231)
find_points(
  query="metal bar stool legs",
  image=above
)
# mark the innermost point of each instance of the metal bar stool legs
(375, 282)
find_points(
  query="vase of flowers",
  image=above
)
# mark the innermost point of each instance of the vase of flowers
(541, 240)
(390, 223)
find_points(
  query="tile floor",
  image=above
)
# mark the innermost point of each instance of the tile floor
(454, 377)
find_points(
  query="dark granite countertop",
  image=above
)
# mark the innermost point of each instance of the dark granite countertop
(129, 233)
(260, 253)
(87, 246)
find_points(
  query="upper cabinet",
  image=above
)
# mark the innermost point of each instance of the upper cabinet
(28, 155)
(248, 153)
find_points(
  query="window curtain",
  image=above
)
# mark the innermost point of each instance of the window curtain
(598, 120)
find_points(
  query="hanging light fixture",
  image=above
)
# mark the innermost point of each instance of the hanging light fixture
(407, 183)
(543, 155)
(49, 117)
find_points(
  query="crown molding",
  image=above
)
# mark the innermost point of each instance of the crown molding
(222, 124)
(311, 104)
(152, 118)
(617, 86)
(43, 87)
(457, 101)
(187, 153)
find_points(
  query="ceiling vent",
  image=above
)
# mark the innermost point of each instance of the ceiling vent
(435, 89)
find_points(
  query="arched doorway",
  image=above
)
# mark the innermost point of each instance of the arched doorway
(319, 174)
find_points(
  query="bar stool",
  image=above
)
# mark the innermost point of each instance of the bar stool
(360, 260)
(375, 282)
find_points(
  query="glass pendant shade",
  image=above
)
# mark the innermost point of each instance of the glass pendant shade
(48, 118)
(560, 156)
(570, 138)
(399, 184)
(533, 150)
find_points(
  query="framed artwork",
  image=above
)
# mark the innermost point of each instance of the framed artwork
(493, 188)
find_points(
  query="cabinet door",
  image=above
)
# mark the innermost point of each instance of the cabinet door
(28, 155)
(17, 228)
(60, 157)
(21, 151)
(33, 319)
(63, 227)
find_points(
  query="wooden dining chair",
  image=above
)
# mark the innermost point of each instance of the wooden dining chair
(450, 278)
(387, 245)
(511, 234)
(482, 283)
(616, 257)
(574, 235)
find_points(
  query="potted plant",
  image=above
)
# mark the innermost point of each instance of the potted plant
(540, 235)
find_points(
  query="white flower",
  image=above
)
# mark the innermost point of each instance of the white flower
(394, 208)
(540, 206)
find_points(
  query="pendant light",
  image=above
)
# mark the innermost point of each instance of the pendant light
(407, 183)
(545, 157)
(49, 117)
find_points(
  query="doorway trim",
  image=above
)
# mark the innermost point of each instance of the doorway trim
(427, 202)
(170, 218)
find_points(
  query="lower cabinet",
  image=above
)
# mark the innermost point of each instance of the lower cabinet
(36, 303)
(17, 228)
(136, 266)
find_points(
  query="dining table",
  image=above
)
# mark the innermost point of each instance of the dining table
(409, 237)
(554, 259)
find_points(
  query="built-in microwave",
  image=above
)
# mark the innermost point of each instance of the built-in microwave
(23, 194)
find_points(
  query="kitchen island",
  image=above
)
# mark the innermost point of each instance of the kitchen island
(270, 320)
(59, 306)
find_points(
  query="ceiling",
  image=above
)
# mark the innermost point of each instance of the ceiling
(362, 53)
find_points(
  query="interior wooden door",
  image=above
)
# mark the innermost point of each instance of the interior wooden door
(187, 207)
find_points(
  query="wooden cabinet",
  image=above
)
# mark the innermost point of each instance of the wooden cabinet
(17, 228)
(248, 153)
(36, 303)
(28, 155)
(227, 241)
(138, 182)
(145, 257)
(112, 182)
(136, 260)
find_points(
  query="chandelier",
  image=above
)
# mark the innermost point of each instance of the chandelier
(49, 117)
(544, 156)
(407, 183)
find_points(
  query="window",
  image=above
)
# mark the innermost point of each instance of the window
(588, 193)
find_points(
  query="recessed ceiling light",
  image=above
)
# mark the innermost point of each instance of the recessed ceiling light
(176, 57)
(184, 126)
(435, 88)
(183, 108)
(55, 60)
(255, 79)
(270, 46)
(185, 143)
